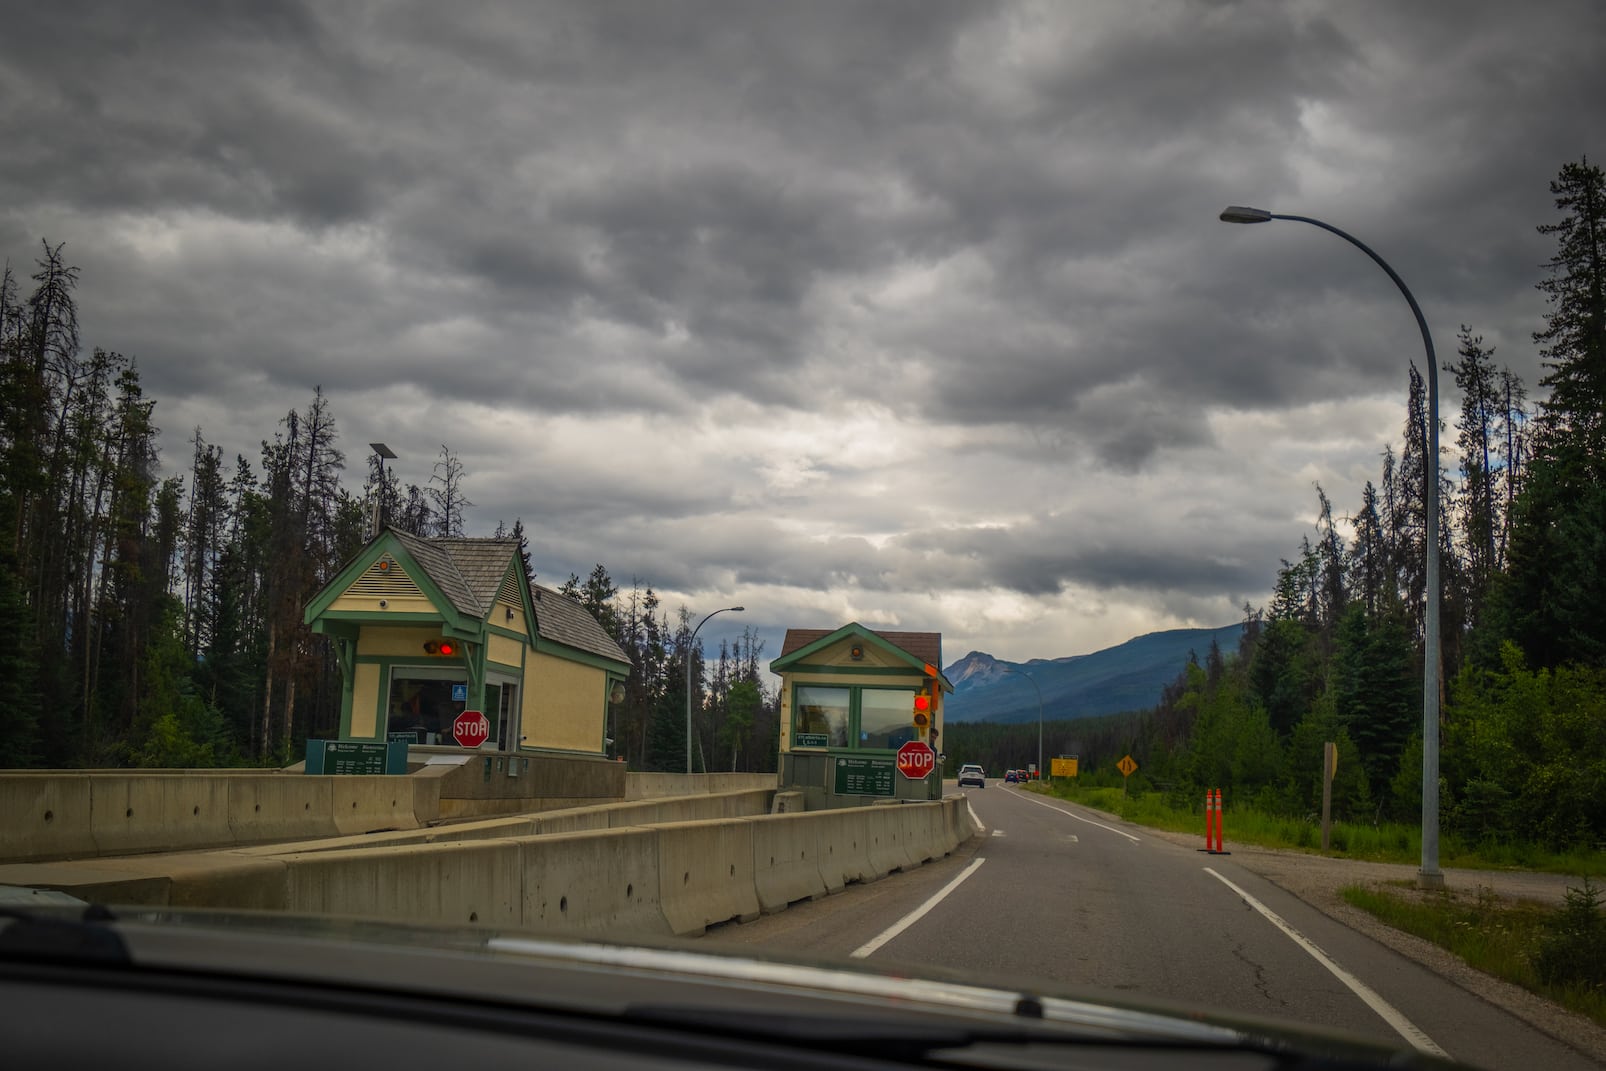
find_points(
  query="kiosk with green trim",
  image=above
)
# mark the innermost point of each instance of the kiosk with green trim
(426, 628)
(848, 702)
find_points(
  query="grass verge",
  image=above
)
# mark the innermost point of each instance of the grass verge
(1509, 940)
(1384, 843)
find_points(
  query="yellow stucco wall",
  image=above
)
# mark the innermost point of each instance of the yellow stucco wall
(394, 604)
(365, 701)
(509, 652)
(841, 654)
(564, 704)
(500, 618)
(400, 642)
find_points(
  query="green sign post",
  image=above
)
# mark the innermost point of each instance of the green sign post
(863, 777)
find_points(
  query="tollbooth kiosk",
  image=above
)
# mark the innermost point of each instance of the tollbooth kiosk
(861, 715)
(428, 629)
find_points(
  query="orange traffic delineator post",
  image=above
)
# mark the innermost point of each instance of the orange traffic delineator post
(1214, 832)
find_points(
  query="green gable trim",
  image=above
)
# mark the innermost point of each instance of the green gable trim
(858, 671)
(384, 543)
(852, 629)
(515, 569)
(331, 618)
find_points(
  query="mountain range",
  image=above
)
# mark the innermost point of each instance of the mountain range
(1126, 677)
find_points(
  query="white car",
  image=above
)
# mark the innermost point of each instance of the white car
(971, 774)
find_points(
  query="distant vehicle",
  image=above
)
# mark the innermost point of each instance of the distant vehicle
(1010, 778)
(971, 774)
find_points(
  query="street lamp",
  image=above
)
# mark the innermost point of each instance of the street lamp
(690, 646)
(385, 454)
(1429, 876)
(1028, 676)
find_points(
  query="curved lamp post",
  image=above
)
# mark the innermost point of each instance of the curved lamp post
(1429, 876)
(1028, 676)
(691, 645)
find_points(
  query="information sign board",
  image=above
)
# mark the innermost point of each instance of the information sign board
(1060, 766)
(356, 757)
(811, 740)
(863, 776)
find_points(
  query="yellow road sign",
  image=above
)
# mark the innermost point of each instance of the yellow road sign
(1127, 766)
(1059, 767)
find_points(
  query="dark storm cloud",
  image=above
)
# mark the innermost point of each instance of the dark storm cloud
(972, 246)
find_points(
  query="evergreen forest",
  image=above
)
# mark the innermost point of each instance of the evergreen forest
(155, 619)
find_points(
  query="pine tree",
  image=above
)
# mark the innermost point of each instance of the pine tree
(1573, 342)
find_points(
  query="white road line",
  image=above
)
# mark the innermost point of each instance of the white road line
(1079, 818)
(916, 915)
(999, 833)
(1390, 1015)
(976, 821)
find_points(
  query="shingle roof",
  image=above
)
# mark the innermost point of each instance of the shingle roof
(562, 620)
(926, 646)
(468, 571)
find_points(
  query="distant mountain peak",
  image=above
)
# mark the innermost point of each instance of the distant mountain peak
(1128, 676)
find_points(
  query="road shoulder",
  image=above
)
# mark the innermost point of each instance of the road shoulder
(1317, 880)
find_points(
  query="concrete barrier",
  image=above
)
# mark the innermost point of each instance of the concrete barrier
(647, 786)
(930, 832)
(600, 882)
(881, 832)
(705, 874)
(370, 804)
(281, 808)
(228, 880)
(463, 883)
(133, 814)
(44, 818)
(786, 859)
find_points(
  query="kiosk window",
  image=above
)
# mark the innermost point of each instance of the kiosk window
(424, 706)
(823, 710)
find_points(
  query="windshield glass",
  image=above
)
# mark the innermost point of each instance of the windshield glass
(944, 487)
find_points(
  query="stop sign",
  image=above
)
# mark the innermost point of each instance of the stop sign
(916, 760)
(470, 729)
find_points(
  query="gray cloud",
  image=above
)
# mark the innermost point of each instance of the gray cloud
(917, 310)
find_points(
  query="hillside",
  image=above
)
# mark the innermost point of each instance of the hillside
(1126, 677)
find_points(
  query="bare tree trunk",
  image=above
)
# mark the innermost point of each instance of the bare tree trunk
(267, 701)
(289, 711)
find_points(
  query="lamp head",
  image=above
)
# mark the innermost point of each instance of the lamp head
(1241, 214)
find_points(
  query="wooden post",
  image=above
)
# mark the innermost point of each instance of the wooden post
(1329, 767)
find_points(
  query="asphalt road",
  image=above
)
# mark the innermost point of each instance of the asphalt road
(1070, 896)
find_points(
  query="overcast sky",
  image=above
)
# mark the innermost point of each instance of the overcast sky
(915, 314)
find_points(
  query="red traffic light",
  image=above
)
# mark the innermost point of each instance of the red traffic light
(922, 713)
(440, 647)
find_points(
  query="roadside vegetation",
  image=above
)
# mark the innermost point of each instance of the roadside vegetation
(1558, 953)
(1337, 656)
(1384, 842)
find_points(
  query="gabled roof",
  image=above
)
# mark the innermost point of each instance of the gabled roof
(467, 571)
(469, 574)
(926, 646)
(562, 620)
(918, 649)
